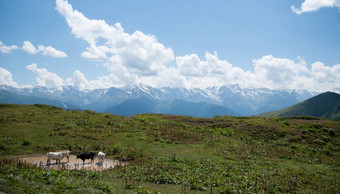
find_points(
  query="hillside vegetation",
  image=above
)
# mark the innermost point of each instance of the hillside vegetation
(325, 105)
(171, 154)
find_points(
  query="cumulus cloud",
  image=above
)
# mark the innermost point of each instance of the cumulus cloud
(138, 58)
(279, 72)
(326, 78)
(137, 53)
(7, 49)
(78, 80)
(46, 51)
(211, 72)
(6, 78)
(314, 5)
(50, 51)
(45, 78)
(169, 77)
(269, 72)
(29, 48)
(191, 65)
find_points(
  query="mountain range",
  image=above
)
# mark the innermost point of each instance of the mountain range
(225, 100)
(9, 97)
(175, 107)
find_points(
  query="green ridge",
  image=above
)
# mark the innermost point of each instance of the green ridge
(325, 105)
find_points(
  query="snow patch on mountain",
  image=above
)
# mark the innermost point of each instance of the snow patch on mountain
(242, 100)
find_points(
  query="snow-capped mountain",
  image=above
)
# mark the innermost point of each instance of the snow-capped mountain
(240, 100)
(255, 101)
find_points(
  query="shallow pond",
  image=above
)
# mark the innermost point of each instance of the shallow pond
(41, 161)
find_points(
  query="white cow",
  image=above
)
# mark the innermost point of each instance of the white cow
(66, 153)
(101, 156)
(58, 156)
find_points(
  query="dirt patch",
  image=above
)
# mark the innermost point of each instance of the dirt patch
(41, 161)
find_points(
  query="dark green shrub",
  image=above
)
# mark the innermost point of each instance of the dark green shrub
(130, 186)
(331, 132)
(27, 142)
(4, 147)
(316, 125)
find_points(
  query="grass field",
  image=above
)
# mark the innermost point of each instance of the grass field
(171, 154)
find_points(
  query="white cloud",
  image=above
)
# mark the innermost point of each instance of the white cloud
(137, 53)
(45, 78)
(314, 5)
(52, 52)
(326, 78)
(29, 48)
(191, 65)
(46, 51)
(78, 80)
(269, 72)
(279, 73)
(6, 78)
(7, 49)
(95, 53)
(137, 58)
(211, 72)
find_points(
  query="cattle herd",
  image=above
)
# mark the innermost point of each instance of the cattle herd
(59, 155)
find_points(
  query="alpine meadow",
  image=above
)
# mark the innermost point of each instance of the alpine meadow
(170, 154)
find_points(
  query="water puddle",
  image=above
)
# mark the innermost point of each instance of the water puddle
(41, 161)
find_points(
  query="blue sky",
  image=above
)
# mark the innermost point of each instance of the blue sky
(277, 44)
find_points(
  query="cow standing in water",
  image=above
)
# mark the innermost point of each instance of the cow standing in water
(101, 157)
(58, 156)
(87, 155)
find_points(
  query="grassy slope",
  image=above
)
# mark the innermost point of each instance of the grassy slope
(325, 105)
(170, 153)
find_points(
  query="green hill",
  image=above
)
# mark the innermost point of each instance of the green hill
(325, 105)
(170, 154)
